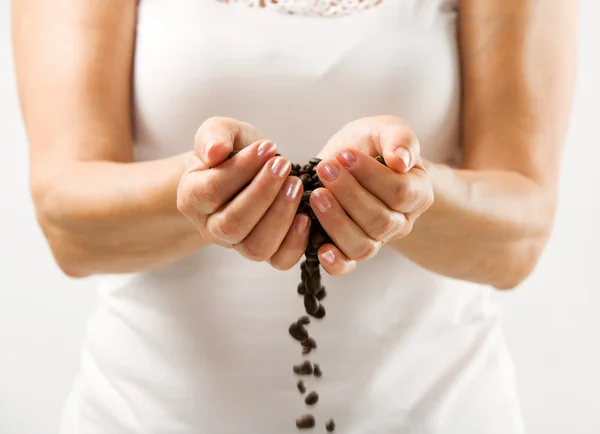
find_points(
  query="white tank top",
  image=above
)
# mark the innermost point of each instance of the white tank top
(201, 346)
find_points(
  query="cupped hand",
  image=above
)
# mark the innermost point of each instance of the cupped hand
(365, 204)
(248, 202)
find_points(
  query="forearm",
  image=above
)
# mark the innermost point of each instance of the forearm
(107, 217)
(484, 226)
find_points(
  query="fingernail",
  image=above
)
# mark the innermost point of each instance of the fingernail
(404, 155)
(292, 187)
(348, 158)
(328, 257)
(301, 225)
(330, 172)
(281, 167)
(266, 148)
(321, 200)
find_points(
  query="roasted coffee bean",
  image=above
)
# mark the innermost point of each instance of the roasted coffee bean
(311, 304)
(320, 313)
(297, 369)
(312, 251)
(305, 177)
(305, 421)
(330, 425)
(304, 320)
(311, 398)
(321, 293)
(232, 154)
(315, 179)
(304, 208)
(306, 195)
(298, 332)
(315, 161)
(312, 215)
(306, 368)
(380, 159)
(293, 173)
(317, 239)
(301, 387)
(309, 343)
(317, 370)
(301, 288)
(312, 265)
(296, 167)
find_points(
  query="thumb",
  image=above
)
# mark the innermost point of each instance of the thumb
(400, 148)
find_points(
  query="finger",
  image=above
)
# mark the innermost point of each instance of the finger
(218, 136)
(267, 235)
(236, 220)
(294, 244)
(344, 232)
(404, 193)
(396, 142)
(371, 214)
(203, 192)
(334, 262)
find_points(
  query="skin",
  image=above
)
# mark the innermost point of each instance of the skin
(103, 213)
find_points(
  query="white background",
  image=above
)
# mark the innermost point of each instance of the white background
(552, 321)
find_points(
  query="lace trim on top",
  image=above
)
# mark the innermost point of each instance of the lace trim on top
(324, 8)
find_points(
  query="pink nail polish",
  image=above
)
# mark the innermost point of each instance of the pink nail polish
(347, 157)
(321, 200)
(291, 187)
(281, 167)
(301, 224)
(266, 148)
(330, 172)
(404, 155)
(328, 257)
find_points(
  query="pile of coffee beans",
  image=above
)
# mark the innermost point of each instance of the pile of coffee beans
(310, 289)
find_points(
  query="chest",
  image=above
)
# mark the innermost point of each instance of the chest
(297, 78)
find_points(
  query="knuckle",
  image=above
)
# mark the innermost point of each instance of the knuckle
(254, 253)
(208, 196)
(380, 226)
(365, 250)
(229, 228)
(405, 228)
(400, 195)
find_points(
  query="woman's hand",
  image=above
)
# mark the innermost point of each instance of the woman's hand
(365, 204)
(248, 202)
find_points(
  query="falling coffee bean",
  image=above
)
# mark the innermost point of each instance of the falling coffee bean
(301, 386)
(311, 304)
(317, 370)
(301, 288)
(330, 425)
(298, 332)
(305, 421)
(321, 293)
(309, 343)
(320, 313)
(311, 398)
(304, 320)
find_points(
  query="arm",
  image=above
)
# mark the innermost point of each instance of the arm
(100, 212)
(491, 219)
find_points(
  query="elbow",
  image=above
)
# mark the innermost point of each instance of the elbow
(67, 256)
(519, 260)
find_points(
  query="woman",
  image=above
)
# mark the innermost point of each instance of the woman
(131, 110)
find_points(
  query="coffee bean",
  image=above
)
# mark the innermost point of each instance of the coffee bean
(306, 196)
(317, 239)
(311, 304)
(293, 173)
(298, 332)
(317, 370)
(315, 161)
(320, 313)
(301, 288)
(315, 179)
(305, 421)
(306, 368)
(312, 215)
(312, 264)
(309, 343)
(304, 320)
(297, 369)
(232, 154)
(330, 425)
(296, 167)
(304, 208)
(306, 350)
(380, 159)
(301, 386)
(311, 398)
(305, 275)
(304, 177)
(321, 293)
(312, 251)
